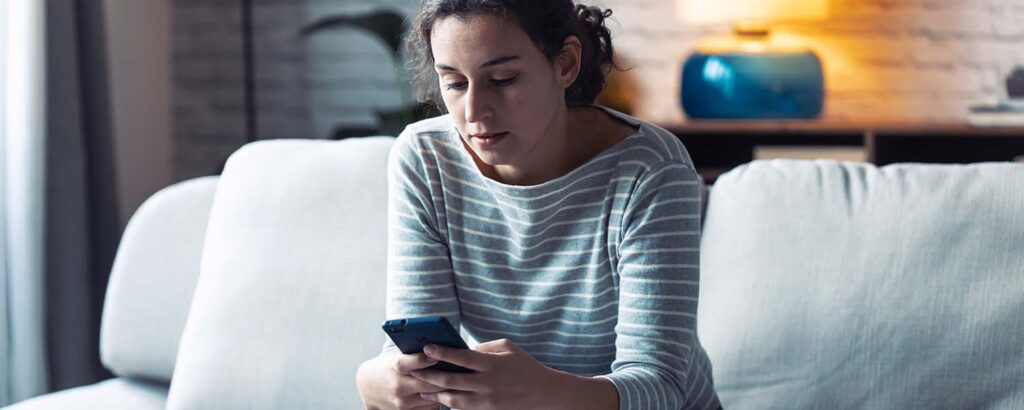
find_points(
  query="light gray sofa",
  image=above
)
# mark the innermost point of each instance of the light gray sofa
(824, 285)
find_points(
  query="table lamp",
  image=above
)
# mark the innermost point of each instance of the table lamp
(752, 74)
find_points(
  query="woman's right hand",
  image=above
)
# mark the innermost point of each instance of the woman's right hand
(384, 382)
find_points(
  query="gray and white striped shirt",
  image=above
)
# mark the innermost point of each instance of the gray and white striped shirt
(594, 273)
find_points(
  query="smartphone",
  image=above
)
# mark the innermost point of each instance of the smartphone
(412, 334)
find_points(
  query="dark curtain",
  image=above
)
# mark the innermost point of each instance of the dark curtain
(81, 208)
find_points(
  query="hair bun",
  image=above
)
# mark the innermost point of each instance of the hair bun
(597, 57)
(591, 16)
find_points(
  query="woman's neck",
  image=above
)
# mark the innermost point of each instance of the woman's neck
(549, 159)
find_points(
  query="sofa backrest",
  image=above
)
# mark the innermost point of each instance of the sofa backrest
(840, 285)
(291, 293)
(152, 279)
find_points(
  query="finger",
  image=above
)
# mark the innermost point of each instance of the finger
(415, 401)
(411, 385)
(452, 399)
(409, 362)
(450, 380)
(497, 346)
(461, 357)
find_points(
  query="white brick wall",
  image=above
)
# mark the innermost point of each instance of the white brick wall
(209, 110)
(885, 60)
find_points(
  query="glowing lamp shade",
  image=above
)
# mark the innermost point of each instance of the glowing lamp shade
(752, 75)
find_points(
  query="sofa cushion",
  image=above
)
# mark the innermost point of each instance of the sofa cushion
(152, 280)
(113, 394)
(840, 285)
(291, 293)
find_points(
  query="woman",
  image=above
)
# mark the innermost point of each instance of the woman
(563, 233)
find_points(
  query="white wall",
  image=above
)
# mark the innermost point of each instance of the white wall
(138, 47)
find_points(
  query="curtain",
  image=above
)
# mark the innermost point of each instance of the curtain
(22, 323)
(82, 228)
(59, 225)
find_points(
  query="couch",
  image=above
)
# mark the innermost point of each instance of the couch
(824, 285)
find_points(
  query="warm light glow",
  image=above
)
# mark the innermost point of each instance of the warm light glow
(776, 43)
(739, 11)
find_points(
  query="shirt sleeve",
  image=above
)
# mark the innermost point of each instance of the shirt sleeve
(659, 363)
(420, 281)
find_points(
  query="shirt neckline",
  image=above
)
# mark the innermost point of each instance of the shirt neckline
(561, 180)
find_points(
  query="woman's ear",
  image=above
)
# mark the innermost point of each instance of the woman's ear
(567, 62)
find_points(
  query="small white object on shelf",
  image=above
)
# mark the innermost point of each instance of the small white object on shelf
(838, 153)
(1005, 113)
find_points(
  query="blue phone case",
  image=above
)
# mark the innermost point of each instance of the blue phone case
(412, 334)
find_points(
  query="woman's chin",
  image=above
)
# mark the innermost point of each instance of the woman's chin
(491, 159)
(489, 156)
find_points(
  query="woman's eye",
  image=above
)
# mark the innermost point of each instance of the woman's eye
(455, 86)
(504, 82)
(499, 82)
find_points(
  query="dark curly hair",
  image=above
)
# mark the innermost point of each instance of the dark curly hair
(547, 22)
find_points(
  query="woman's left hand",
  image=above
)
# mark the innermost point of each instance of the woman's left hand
(506, 378)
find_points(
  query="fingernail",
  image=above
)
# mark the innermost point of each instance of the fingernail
(430, 349)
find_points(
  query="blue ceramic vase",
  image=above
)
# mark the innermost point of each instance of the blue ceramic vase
(753, 85)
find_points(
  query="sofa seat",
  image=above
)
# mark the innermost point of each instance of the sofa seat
(112, 394)
(147, 302)
(823, 285)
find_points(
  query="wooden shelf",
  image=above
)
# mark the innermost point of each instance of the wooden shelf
(822, 126)
(719, 145)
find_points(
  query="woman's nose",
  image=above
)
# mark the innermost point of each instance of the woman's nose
(478, 106)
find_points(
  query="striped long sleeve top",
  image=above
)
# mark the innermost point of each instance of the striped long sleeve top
(593, 273)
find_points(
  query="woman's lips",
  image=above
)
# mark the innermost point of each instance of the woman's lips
(488, 140)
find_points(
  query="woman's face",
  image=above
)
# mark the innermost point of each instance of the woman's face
(502, 91)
